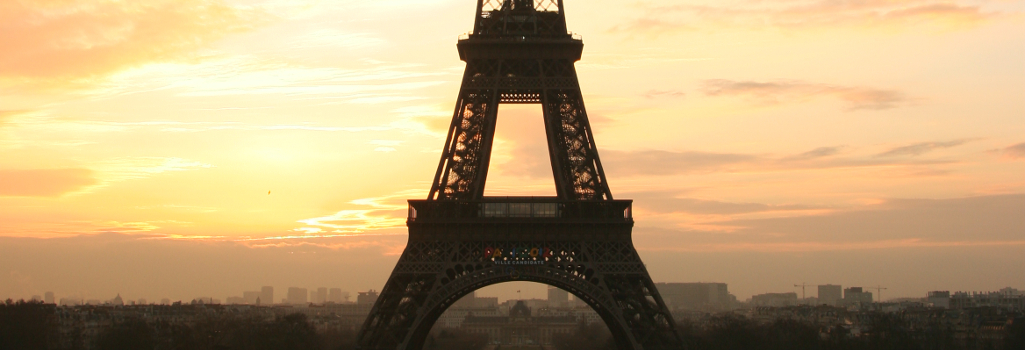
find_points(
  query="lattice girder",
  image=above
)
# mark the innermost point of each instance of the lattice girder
(519, 52)
(487, 83)
(436, 269)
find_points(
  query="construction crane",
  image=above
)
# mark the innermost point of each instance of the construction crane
(879, 292)
(802, 285)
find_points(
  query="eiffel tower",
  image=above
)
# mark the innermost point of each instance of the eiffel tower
(459, 240)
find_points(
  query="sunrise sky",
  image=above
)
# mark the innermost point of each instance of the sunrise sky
(187, 148)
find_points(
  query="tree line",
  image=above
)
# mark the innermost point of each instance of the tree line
(32, 326)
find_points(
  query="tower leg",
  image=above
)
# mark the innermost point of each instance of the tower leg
(432, 274)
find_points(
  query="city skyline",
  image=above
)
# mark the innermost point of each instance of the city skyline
(201, 147)
(501, 292)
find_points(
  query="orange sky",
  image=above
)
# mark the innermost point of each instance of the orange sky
(765, 143)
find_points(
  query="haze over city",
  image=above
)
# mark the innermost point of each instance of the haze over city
(198, 148)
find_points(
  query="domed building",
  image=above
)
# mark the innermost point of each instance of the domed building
(520, 327)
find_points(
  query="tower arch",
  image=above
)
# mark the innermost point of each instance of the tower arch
(615, 325)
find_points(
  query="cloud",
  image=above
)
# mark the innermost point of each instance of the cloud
(129, 168)
(817, 153)
(664, 94)
(55, 40)
(8, 114)
(857, 98)
(803, 15)
(1016, 151)
(921, 148)
(372, 216)
(136, 265)
(44, 182)
(660, 162)
(892, 223)
(662, 202)
(657, 162)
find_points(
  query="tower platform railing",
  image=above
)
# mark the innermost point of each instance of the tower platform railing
(547, 209)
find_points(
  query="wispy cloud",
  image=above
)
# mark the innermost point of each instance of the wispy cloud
(129, 168)
(657, 162)
(921, 148)
(664, 94)
(887, 224)
(662, 202)
(661, 18)
(44, 182)
(786, 247)
(660, 162)
(58, 40)
(1016, 151)
(223, 76)
(8, 114)
(75, 181)
(369, 216)
(857, 98)
(817, 153)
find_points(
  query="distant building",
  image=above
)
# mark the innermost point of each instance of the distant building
(468, 301)
(71, 302)
(267, 295)
(296, 296)
(856, 296)
(557, 297)
(830, 294)
(321, 296)
(250, 297)
(142, 301)
(48, 297)
(165, 301)
(235, 300)
(205, 301)
(1003, 299)
(117, 301)
(696, 296)
(775, 299)
(520, 328)
(334, 295)
(486, 301)
(368, 297)
(939, 299)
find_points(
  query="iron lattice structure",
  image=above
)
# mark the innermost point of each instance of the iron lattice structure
(461, 241)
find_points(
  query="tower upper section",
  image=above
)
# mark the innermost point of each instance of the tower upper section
(520, 19)
(520, 29)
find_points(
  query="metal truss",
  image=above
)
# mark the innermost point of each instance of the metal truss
(433, 273)
(487, 83)
(512, 18)
(460, 241)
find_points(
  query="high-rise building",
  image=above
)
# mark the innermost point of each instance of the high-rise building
(267, 295)
(557, 297)
(830, 294)
(321, 296)
(939, 298)
(296, 296)
(696, 296)
(48, 298)
(334, 295)
(250, 297)
(856, 296)
(775, 299)
(368, 297)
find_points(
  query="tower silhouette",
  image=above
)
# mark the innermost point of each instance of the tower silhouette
(459, 241)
